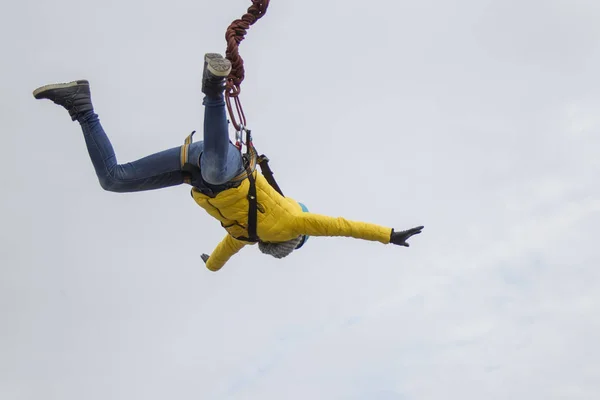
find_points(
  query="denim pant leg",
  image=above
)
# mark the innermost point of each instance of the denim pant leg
(221, 160)
(155, 171)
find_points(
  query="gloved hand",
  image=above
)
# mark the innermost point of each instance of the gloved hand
(204, 257)
(400, 238)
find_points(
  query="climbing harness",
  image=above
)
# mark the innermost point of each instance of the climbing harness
(235, 34)
(250, 159)
(192, 168)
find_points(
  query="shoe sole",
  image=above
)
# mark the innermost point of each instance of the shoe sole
(220, 67)
(39, 91)
(211, 56)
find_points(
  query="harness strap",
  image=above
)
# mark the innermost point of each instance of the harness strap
(251, 159)
(186, 166)
(263, 161)
(252, 204)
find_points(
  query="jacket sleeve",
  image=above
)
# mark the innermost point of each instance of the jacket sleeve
(322, 225)
(223, 252)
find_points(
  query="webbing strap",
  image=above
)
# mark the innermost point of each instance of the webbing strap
(251, 157)
(252, 206)
(184, 157)
(263, 161)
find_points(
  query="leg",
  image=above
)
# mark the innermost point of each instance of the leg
(153, 172)
(221, 161)
(156, 171)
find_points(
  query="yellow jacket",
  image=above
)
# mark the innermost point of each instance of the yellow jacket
(279, 219)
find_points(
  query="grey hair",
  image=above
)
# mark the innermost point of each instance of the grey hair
(279, 249)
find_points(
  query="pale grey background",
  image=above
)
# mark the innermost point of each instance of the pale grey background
(478, 119)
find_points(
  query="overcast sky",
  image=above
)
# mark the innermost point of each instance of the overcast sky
(478, 119)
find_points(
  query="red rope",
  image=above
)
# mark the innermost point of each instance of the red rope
(236, 32)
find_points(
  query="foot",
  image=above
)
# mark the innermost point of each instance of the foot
(217, 65)
(211, 56)
(216, 69)
(73, 96)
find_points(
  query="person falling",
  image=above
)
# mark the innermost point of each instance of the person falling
(281, 224)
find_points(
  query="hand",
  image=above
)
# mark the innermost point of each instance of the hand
(205, 257)
(400, 238)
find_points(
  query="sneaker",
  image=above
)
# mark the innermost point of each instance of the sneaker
(73, 96)
(216, 69)
(219, 67)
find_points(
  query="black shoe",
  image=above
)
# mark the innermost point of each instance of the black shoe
(216, 70)
(74, 96)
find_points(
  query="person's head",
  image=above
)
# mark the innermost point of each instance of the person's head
(284, 249)
(279, 249)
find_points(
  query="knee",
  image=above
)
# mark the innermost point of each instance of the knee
(107, 183)
(213, 171)
(110, 184)
(219, 171)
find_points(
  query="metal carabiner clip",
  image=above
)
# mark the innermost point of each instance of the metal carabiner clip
(239, 137)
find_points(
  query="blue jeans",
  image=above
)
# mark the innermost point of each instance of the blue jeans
(219, 159)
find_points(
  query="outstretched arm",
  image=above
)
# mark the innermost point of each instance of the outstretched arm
(321, 225)
(222, 253)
